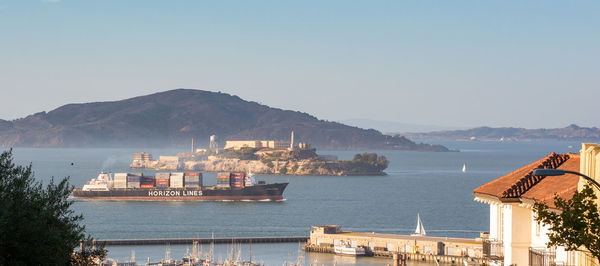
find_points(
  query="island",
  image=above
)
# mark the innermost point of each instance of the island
(171, 118)
(264, 157)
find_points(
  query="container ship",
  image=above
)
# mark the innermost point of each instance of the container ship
(179, 186)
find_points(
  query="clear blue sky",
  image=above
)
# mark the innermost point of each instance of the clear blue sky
(452, 63)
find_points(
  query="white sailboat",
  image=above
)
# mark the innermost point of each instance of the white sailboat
(464, 169)
(420, 231)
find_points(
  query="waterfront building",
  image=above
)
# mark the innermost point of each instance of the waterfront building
(142, 156)
(515, 237)
(170, 162)
(272, 144)
(329, 236)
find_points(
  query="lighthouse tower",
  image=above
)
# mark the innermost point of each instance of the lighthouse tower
(292, 141)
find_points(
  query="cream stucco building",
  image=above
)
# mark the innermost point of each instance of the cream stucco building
(273, 144)
(515, 237)
(590, 166)
(332, 235)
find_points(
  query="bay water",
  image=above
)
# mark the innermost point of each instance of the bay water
(429, 183)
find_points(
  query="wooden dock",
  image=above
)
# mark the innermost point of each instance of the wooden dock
(189, 241)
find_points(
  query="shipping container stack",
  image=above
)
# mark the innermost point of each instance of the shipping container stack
(134, 180)
(223, 180)
(162, 180)
(147, 182)
(176, 180)
(120, 180)
(193, 180)
(237, 180)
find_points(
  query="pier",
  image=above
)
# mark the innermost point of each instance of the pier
(453, 259)
(403, 247)
(189, 241)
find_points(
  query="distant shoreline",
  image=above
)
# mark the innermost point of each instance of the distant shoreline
(509, 134)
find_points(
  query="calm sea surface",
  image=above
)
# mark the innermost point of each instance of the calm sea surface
(431, 184)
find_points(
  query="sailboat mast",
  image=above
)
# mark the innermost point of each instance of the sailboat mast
(420, 230)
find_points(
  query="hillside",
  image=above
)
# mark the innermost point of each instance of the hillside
(572, 132)
(172, 118)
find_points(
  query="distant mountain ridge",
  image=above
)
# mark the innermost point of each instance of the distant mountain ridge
(172, 118)
(571, 132)
(390, 126)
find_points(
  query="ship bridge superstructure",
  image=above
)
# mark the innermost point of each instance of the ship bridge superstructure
(100, 183)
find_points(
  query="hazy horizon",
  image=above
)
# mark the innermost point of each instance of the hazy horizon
(447, 64)
(366, 123)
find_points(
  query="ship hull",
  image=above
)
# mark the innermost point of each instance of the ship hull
(269, 192)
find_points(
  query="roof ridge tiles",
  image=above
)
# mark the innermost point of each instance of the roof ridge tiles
(525, 183)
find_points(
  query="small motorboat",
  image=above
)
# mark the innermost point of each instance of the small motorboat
(348, 250)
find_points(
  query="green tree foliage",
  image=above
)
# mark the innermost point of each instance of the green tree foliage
(37, 226)
(89, 252)
(284, 169)
(295, 168)
(380, 162)
(576, 224)
(244, 153)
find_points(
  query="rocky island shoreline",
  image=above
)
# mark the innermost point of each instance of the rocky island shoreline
(265, 161)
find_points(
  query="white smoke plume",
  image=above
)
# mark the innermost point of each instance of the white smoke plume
(109, 163)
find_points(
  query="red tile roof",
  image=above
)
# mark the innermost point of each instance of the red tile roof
(521, 183)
